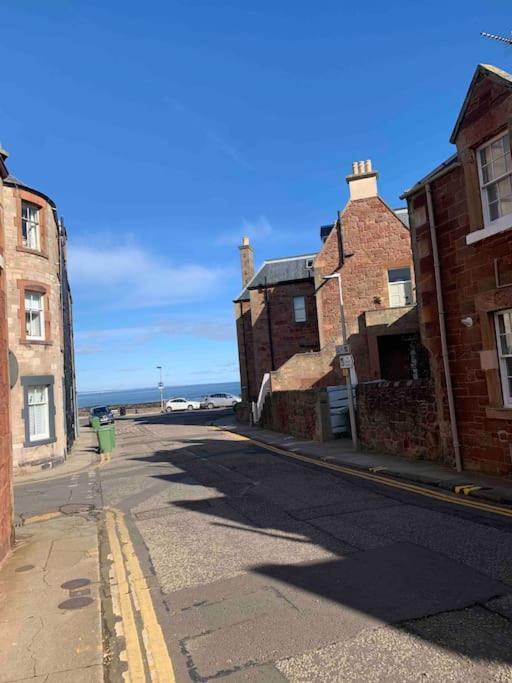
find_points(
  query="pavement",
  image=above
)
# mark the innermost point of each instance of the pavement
(212, 557)
(342, 452)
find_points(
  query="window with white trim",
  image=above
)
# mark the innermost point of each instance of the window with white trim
(34, 315)
(30, 228)
(400, 287)
(38, 413)
(495, 172)
(299, 309)
(503, 322)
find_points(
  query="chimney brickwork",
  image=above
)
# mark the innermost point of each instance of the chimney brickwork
(246, 260)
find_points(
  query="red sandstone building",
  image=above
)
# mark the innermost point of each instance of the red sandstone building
(289, 313)
(461, 217)
(275, 315)
(5, 436)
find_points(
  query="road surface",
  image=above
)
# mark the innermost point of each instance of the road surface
(251, 566)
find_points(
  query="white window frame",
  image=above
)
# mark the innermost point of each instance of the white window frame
(30, 312)
(400, 282)
(42, 436)
(300, 309)
(505, 386)
(33, 226)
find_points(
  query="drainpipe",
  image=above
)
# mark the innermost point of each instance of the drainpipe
(245, 352)
(269, 326)
(442, 328)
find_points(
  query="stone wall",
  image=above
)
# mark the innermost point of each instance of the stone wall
(476, 282)
(35, 358)
(5, 438)
(399, 418)
(298, 413)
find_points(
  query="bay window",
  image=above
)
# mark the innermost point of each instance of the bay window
(38, 409)
(503, 322)
(34, 315)
(30, 226)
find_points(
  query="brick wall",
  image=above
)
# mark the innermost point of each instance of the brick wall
(6, 528)
(288, 336)
(294, 412)
(469, 289)
(374, 240)
(399, 418)
(249, 387)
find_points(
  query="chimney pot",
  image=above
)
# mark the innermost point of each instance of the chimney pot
(354, 168)
(363, 181)
(361, 167)
(368, 166)
(245, 241)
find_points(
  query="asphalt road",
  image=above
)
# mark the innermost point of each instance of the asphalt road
(262, 568)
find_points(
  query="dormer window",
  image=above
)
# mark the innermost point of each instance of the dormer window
(495, 172)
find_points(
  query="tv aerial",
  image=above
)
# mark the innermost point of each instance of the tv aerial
(501, 39)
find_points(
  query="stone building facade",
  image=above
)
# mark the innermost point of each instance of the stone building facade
(463, 211)
(35, 298)
(275, 316)
(6, 510)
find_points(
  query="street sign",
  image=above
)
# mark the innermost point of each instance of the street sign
(343, 349)
(347, 361)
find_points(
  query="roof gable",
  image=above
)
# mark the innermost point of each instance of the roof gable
(482, 71)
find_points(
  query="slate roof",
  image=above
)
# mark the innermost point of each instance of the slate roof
(278, 271)
(451, 161)
(403, 215)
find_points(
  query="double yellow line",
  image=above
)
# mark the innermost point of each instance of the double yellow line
(386, 481)
(146, 650)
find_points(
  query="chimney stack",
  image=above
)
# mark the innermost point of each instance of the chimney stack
(246, 260)
(363, 181)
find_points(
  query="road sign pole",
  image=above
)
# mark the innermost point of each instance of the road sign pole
(351, 406)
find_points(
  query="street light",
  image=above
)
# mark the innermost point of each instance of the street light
(161, 387)
(351, 407)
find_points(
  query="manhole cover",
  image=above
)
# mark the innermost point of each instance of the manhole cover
(75, 603)
(75, 583)
(75, 508)
(25, 568)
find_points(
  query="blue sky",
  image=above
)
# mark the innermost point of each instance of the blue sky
(165, 130)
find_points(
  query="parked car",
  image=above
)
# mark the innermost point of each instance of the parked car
(174, 404)
(105, 415)
(220, 401)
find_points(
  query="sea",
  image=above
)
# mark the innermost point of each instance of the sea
(129, 397)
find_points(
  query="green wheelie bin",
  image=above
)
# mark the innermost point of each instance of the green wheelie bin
(105, 439)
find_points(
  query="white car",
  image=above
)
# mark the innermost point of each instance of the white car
(175, 404)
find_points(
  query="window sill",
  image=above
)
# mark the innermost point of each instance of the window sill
(501, 413)
(35, 252)
(488, 231)
(36, 342)
(41, 442)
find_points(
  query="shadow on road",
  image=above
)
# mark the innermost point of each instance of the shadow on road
(392, 579)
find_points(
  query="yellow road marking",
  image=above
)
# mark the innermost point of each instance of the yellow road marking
(134, 657)
(466, 488)
(44, 517)
(361, 474)
(159, 661)
(377, 469)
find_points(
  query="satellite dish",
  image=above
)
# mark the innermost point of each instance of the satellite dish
(13, 369)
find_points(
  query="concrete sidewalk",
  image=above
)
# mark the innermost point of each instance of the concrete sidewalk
(83, 454)
(50, 609)
(341, 451)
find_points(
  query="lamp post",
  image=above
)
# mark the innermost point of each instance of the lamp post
(351, 407)
(161, 387)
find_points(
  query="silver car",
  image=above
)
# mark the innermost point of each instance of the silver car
(220, 401)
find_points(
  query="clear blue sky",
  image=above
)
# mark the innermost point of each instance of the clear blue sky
(165, 130)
